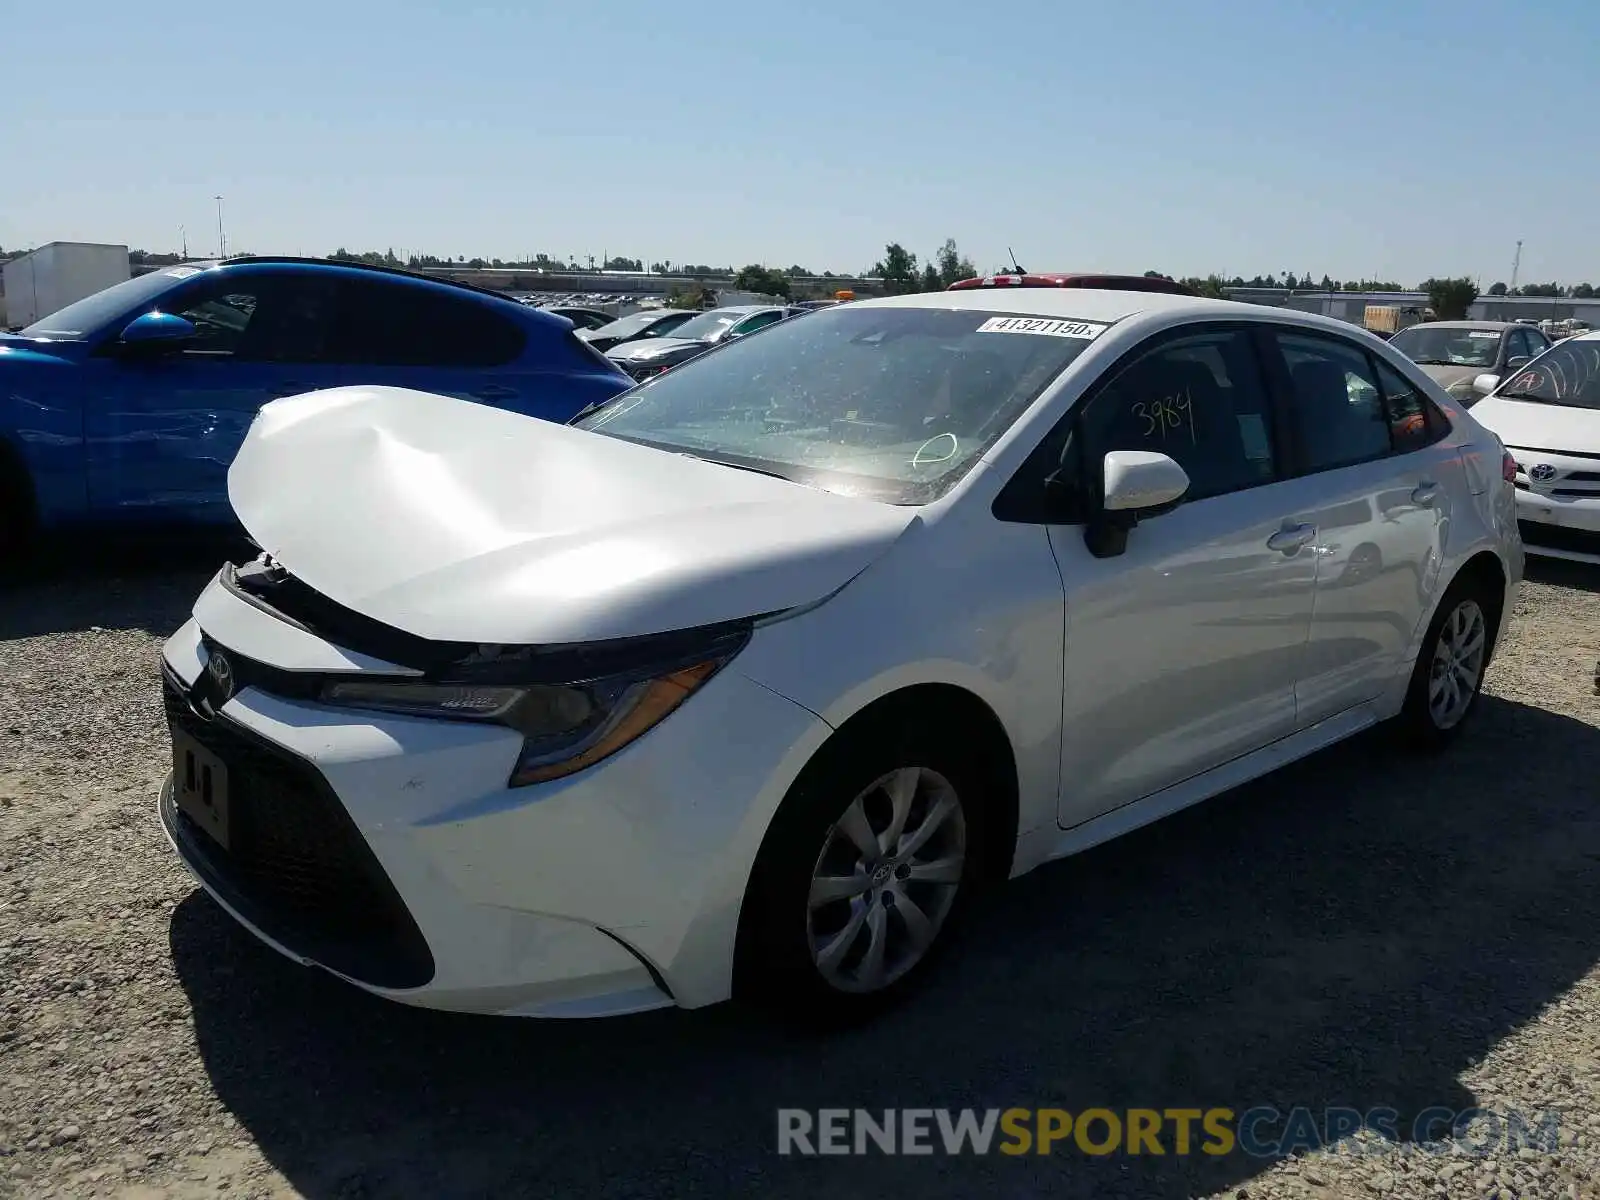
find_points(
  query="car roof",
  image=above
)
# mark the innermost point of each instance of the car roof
(1465, 325)
(1084, 304)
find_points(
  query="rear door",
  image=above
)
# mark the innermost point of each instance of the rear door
(161, 432)
(1369, 437)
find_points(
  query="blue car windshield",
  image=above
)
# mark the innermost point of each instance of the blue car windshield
(84, 317)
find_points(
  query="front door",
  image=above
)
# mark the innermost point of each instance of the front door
(161, 432)
(1182, 652)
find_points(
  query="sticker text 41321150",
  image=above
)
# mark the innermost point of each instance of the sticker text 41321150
(1044, 327)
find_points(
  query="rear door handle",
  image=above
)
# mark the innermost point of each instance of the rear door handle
(1425, 493)
(1291, 538)
(496, 391)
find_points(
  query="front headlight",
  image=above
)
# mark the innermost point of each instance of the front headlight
(565, 727)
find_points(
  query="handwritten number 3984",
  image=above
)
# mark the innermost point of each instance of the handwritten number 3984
(1171, 414)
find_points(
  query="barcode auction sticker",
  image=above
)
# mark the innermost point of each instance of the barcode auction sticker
(1483, 335)
(1083, 330)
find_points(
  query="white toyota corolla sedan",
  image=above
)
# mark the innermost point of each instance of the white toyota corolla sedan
(1548, 414)
(744, 684)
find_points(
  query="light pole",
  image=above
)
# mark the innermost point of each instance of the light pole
(183, 239)
(222, 239)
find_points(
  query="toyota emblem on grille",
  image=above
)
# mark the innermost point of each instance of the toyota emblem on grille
(221, 672)
(1542, 473)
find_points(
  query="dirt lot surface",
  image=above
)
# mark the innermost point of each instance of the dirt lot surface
(1361, 930)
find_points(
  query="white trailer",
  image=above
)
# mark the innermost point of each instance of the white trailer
(55, 275)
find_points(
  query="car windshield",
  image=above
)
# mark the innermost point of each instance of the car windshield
(92, 312)
(1568, 374)
(1432, 346)
(628, 326)
(709, 324)
(894, 404)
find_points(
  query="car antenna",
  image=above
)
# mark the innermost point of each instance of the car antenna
(1016, 267)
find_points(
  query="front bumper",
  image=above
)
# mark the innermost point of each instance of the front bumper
(1558, 513)
(389, 851)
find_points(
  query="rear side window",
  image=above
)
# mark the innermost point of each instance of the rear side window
(381, 323)
(1339, 414)
(1415, 422)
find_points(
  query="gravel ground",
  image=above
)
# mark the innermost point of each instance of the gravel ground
(1361, 930)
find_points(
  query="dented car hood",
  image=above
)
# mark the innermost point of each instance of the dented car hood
(461, 522)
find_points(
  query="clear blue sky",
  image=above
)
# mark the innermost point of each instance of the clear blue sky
(1400, 139)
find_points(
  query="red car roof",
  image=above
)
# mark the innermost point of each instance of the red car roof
(1114, 283)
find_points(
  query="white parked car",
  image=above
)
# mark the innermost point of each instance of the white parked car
(1548, 413)
(746, 684)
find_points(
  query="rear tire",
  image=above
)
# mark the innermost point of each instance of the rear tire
(1447, 678)
(864, 875)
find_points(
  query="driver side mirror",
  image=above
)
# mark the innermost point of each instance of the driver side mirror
(1139, 485)
(156, 333)
(1486, 383)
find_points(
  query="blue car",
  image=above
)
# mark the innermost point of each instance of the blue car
(128, 406)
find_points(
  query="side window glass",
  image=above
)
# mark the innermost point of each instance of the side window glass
(1409, 420)
(1198, 399)
(1340, 415)
(381, 323)
(751, 324)
(291, 324)
(220, 319)
(1518, 344)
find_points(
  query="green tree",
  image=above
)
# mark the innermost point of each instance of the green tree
(798, 272)
(931, 279)
(1450, 298)
(756, 278)
(1583, 291)
(1497, 289)
(951, 267)
(898, 270)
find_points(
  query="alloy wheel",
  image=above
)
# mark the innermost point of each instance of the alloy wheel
(1457, 667)
(888, 875)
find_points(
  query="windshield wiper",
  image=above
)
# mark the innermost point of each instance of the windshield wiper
(1523, 396)
(722, 462)
(591, 407)
(1435, 362)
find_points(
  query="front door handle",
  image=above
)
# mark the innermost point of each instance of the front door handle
(496, 391)
(1291, 538)
(1425, 493)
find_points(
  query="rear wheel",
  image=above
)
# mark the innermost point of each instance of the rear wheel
(862, 878)
(1448, 676)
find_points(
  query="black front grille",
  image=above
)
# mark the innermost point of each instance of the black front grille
(296, 867)
(1555, 537)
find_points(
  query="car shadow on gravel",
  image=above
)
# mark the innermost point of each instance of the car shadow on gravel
(105, 581)
(1562, 572)
(1357, 930)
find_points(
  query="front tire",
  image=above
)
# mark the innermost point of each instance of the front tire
(1448, 676)
(863, 877)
